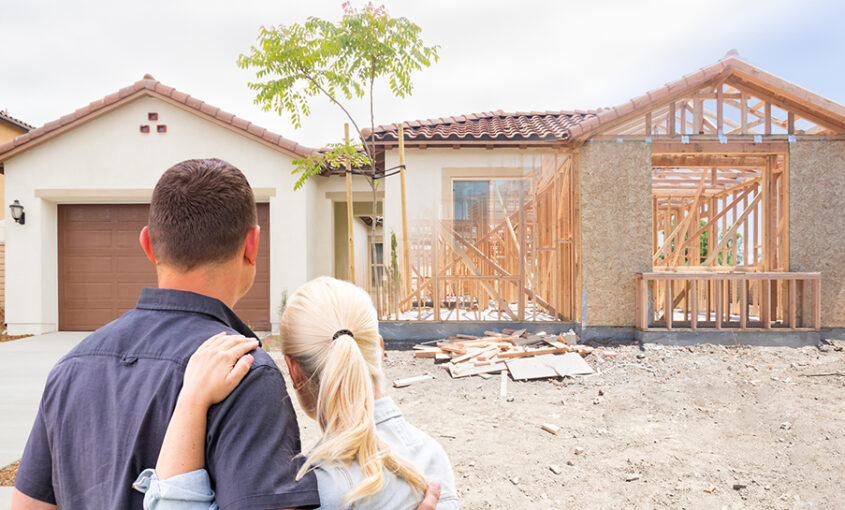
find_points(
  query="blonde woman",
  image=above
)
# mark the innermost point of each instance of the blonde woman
(367, 457)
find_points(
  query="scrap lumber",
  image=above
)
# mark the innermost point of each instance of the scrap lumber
(531, 339)
(463, 370)
(473, 354)
(552, 429)
(401, 383)
(428, 352)
(522, 355)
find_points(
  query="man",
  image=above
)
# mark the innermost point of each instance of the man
(106, 405)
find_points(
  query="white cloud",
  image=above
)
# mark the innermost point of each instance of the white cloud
(528, 55)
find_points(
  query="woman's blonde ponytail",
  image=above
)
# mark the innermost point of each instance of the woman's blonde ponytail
(341, 371)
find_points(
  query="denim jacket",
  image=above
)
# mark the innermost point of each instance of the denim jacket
(192, 491)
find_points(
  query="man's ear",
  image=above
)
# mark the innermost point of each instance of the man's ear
(251, 244)
(295, 372)
(146, 244)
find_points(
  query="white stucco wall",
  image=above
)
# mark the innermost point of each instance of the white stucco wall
(108, 160)
(322, 193)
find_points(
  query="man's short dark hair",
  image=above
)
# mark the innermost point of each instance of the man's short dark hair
(200, 213)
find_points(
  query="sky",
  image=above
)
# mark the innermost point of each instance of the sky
(518, 55)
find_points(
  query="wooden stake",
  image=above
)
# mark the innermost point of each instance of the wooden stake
(668, 307)
(405, 256)
(693, 290)
(793, 287)
(349, 234)
(717, 297)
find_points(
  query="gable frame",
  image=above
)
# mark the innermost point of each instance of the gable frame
(744, 80)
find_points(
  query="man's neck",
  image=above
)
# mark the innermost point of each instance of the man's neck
(200, 281)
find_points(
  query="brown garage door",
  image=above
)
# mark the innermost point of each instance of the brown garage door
(102, 268)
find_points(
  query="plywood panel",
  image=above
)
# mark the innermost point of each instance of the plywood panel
(616, 228)
(817, 220)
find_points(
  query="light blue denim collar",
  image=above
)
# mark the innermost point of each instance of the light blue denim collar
(385, 409)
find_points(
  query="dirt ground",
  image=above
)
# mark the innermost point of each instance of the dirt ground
(703, 427)
(677, 427)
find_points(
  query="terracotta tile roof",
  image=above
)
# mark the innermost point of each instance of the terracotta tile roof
(149, 86)
(581, 124)
(4, 115)
(549, 126)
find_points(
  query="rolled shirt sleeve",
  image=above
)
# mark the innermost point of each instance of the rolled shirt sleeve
(35, 474)
(253, 447)
(187, 491)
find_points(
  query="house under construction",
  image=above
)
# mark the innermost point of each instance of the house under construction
(714, 203)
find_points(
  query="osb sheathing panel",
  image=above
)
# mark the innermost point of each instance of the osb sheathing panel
(615, 228)
(817, 220)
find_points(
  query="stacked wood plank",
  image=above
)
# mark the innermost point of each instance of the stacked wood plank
(524, 355)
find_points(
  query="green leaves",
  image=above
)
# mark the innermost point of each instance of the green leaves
(336, 157)
(339, 59)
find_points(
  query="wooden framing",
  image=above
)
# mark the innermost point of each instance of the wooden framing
(513, 255)
(733, 105)
(739, 310)
(720, 205)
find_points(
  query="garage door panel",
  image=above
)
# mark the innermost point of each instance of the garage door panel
(102, 267)
(92, 315)
(79, 264)
(88, 292)
(134, 265)
(88, 215)
(91, 238)
(132, 214)
(128, 239)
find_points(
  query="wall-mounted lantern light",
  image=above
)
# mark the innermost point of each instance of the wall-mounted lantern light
(17, 212)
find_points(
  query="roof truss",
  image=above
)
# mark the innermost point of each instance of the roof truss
(731, 107)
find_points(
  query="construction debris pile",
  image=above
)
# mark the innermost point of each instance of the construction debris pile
(524, 355)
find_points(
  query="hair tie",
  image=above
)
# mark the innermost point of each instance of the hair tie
(342, 332)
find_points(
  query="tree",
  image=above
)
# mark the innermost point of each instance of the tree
(340, 61)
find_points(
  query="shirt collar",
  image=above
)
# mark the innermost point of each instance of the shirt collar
(385, 409)
(185, 301)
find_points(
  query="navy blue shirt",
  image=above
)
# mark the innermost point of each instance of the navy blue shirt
(107, 403)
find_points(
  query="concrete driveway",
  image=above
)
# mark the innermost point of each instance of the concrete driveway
(24, 366)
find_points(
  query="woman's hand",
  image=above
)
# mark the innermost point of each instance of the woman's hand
(216, 368)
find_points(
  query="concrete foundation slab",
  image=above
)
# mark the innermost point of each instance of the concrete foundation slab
(730, 337)
(833, 334)
(615, 333)
(401, 335)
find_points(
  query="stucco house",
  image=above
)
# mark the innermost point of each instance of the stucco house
(85, 181)
(10, 127)
(711, 208)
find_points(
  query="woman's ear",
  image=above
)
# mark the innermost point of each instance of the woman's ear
(381, 343)
(295, 372)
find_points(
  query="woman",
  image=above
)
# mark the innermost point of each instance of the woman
(368, 456)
